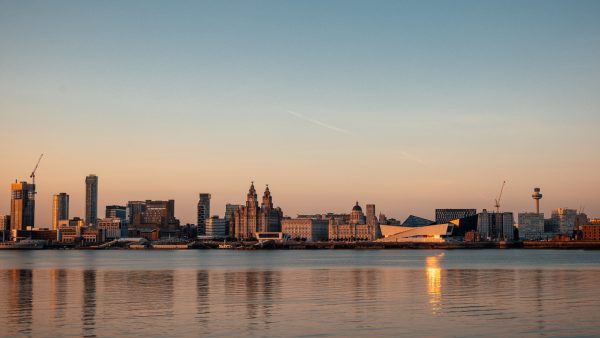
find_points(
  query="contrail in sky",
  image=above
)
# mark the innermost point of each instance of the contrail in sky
(317, 122)
(414, 158)
(405, 154)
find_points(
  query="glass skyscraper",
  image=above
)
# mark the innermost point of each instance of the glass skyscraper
(60, 208)
(91, 199)
(203, 213)
(22, 206)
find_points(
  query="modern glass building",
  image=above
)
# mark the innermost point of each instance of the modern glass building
(203, 213)
(216, 227)
(22, 206)
(60, 209)
(91, 199)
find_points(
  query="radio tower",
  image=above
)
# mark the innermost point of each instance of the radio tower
(537, 196)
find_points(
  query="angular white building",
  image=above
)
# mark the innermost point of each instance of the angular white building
(436, 233)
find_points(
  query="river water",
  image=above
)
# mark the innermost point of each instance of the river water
(413, 293)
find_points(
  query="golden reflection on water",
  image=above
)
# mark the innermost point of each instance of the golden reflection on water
(283, 301)
(434, 282)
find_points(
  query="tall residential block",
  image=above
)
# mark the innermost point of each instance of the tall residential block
(60, 209)
(91, 199)
(203, 213)
(22, 206)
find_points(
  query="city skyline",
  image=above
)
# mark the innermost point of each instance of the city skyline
(216, 210)
(410, 106)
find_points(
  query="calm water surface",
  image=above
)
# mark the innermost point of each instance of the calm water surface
(188, 293)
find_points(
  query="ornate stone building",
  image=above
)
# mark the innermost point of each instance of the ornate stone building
(358, 229)
(249, 219)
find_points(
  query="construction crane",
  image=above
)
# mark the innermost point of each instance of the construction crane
(497, 205)
(32, 176)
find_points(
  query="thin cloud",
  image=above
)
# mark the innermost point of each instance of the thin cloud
(414, 158)
(317, 122)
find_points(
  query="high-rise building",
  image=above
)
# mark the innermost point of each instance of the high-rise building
(443, 216)
(91, 199)
(564, 220)
(60, 209)
(250, 218)
(135, 209)
(116, 211)
(203, 212)
(531, 226)
(22, 206)
(495, 226)
(5, 227)
(230, 210)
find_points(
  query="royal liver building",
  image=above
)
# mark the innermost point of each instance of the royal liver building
(249, 219)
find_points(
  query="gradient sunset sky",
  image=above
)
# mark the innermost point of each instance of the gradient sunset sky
(408, 105)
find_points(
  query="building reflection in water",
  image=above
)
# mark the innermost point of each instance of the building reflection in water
(58, 282)
(21, 299)
(259, 290)
(139, 294)
(434, 282)
(203, 302)
(88, 311)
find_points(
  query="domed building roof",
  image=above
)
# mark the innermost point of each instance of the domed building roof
(357, 207)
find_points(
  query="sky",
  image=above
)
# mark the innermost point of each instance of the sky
(410, 105)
